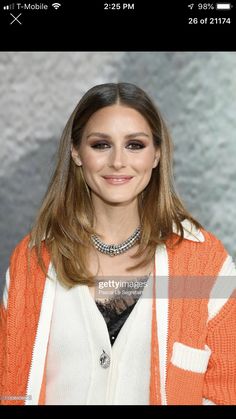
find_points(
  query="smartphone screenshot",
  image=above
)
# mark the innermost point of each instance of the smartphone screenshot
(117, 133)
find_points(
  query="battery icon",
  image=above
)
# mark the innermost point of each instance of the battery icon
(223, 6)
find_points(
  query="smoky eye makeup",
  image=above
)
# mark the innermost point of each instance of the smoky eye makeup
(133, 145)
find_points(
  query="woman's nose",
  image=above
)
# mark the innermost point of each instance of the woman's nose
(117, 158)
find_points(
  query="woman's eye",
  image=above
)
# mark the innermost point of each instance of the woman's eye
(137, 146)
(99, 145)
(134, 146)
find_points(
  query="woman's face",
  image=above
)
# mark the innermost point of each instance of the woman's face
(117, 140)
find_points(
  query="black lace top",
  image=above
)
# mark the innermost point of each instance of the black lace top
(116, 309)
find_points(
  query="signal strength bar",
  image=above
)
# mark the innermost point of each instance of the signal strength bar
(9, 7)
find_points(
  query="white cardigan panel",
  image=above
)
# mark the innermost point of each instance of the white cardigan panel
(78, 337)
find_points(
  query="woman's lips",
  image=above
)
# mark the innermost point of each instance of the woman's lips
(117, 180)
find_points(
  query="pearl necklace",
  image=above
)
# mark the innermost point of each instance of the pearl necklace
(116, 249)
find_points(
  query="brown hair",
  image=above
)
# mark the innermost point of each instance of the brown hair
(65, 218)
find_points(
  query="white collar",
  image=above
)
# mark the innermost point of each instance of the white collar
(190, 231)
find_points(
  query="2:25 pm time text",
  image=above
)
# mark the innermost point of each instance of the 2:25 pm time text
(119, 6)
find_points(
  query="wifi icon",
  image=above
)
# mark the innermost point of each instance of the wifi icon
(56, 5)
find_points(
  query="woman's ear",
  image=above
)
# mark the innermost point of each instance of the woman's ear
(75, 156)
(156, 159)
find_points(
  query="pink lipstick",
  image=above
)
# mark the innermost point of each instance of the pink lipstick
(117, 180)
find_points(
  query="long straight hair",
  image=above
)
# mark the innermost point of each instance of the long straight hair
(65, 220)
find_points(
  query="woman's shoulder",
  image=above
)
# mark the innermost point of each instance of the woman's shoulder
(24, 272)
(199, 244)
(204, 252)
(24, 249)
(20, 248)
(193, 233)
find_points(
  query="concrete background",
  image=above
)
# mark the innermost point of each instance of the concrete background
(196, 92)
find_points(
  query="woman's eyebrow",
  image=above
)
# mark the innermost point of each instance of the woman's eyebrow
(103, 135)
(137, 134)
(98, 134)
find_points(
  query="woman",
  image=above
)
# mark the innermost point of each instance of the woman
(111, 213)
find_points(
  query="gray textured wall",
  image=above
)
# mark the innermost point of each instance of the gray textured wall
(196, 93)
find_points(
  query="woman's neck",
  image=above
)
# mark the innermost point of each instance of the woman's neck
(116, 223)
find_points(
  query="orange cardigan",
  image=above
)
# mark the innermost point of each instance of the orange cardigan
(188, 326)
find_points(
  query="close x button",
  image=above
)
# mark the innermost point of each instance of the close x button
(16, 19)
